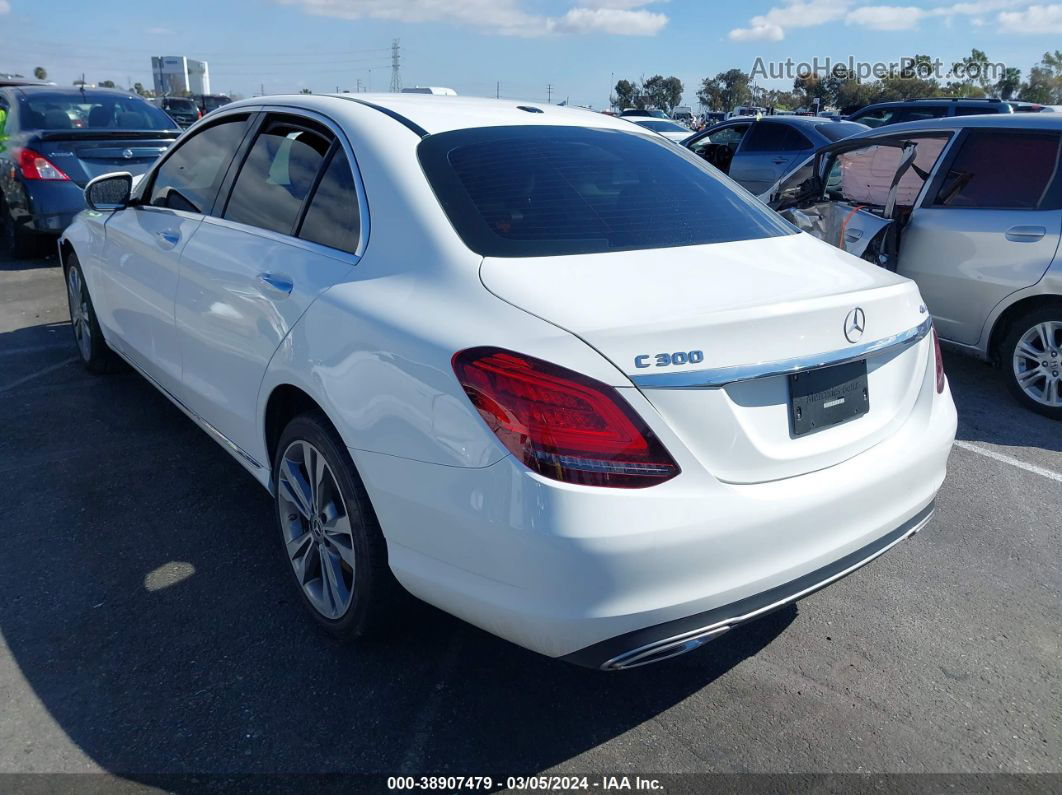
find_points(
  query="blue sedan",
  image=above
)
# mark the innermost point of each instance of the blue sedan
(756, 152)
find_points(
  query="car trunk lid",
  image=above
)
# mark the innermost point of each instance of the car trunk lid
(732, 310)
(84, 155)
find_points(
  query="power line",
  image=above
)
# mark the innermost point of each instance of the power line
(396, 75)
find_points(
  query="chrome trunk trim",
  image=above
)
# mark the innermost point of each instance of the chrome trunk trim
(721, 376)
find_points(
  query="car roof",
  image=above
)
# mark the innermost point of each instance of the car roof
(434, 113)
(52, 89)
(1007, 121)
(958, 101)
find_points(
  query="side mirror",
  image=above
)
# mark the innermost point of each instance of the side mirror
(109, 191)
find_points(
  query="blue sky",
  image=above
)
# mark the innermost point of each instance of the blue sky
(580, 47)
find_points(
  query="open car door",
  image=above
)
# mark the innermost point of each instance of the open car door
(858, 194)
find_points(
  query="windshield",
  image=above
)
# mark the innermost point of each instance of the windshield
(836, 130)
(550, 190)
(661, 126)
(89, 110)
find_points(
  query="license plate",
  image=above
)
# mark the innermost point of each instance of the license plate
(827, 396)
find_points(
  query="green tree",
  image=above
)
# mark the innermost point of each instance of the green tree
(710, 94)
(663, 92)
(1045, 81)
(973, 71)
(40, 73)
(735, 89)
(106, 84)
(1009, 84)
(626, 91)
(305, 91)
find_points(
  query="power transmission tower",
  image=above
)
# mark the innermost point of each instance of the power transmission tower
(396, 76)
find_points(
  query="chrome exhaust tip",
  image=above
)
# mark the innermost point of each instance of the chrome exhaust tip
(662, 650)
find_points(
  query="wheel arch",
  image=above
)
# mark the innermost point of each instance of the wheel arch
(285, 402)
(1001, 327)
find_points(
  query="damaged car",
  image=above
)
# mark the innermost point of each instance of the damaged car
(970, 208)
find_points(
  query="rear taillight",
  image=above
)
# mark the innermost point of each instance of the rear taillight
(940, 362)
(561, 424)
(36, 166)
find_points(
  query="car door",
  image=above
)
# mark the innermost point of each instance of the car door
(984, 231)
(290, 229)
(718, 144)
(136, 285)
(767, 152)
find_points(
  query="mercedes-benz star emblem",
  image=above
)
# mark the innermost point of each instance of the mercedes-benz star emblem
(854, 323)
(127, 153)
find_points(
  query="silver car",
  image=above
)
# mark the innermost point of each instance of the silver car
(971, 209)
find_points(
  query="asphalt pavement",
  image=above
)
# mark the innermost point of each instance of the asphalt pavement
(147, 624)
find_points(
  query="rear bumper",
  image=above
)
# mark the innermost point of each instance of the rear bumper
(672, 638)
(590, 574)
(52, 205)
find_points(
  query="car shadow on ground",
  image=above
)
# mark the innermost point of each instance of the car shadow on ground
(988, 412)
(146, 601)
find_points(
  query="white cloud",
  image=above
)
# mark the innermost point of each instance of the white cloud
(5, 7)
(505, 17)
(620, 22)
(757, 33)
(886, 17)
(1038, 19)
(791, 14)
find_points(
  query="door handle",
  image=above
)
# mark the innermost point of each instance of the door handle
(1025, 234)
(779, 160)
(169, 237)
(275, 283)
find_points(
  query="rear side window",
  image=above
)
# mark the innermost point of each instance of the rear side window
(975, 179)
(333, 219)
(190, 177)
(551, 190)
(277, 176)
(771, 137)
(919, 112)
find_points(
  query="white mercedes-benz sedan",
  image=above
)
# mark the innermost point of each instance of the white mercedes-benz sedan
(543, 370)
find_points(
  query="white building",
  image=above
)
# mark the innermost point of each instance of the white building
(175, 75)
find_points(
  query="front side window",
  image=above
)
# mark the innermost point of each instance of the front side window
(549, 190)
(975, 178)
(277, 176)
(190, 177)
(876, 118)
(866, 176)
(333, 219)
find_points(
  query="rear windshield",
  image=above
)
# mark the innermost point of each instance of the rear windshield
(549, 190)
(836, 130)
(213, 103)
(180, 104)
(88, 110)
(661, 126)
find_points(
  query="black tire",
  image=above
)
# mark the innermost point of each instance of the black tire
(1052, 355)
(15, 242)
(95, 354)
(376, 597)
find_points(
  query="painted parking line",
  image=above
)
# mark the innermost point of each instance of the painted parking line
(38, 374)
(1008, 459)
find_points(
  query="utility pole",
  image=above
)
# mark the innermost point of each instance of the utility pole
(549, 93)
(396, 75)
(370, 79)
(261, 86)
(497, 90)
(359, 85)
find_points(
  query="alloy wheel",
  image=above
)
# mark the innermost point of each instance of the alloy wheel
(79, 312)
(317, 532)
(1038, 363)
